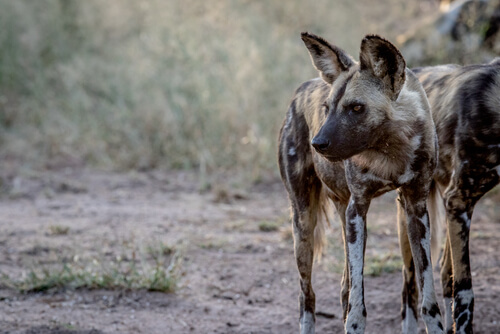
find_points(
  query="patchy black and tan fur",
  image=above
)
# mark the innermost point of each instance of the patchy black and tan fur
(360, 130)
(465, 105)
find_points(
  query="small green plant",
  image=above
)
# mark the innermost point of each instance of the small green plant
(268, 226)
(213, 244)
(157, 251)
(381, 264)
(58, 230)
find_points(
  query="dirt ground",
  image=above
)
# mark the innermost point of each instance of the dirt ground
(237, 270)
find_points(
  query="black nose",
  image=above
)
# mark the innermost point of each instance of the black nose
(320, 144)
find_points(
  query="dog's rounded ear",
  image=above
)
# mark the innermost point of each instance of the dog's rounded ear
(383, 60)
(328, 59)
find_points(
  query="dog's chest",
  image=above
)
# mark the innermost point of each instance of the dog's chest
(333, 177)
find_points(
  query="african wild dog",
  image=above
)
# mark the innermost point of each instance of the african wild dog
(361, 130)
(466, 110)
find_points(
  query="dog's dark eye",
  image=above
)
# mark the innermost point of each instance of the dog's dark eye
(357, 108)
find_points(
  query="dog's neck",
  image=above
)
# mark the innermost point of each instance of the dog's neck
(392, 154)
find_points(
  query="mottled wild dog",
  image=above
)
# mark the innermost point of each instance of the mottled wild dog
(465, 105)
(360, 130)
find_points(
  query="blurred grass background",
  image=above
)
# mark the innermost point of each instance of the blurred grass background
(130, 84)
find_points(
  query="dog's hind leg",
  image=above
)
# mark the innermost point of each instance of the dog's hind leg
(447, 285)
(304, 219)
(459, 212)
(467, 186)
(304, 189)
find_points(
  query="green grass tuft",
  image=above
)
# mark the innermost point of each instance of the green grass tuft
(158, 273)
(382, 264)
(58, 230)
(268, 226)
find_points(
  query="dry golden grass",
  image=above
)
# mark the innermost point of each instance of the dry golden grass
(179, 84)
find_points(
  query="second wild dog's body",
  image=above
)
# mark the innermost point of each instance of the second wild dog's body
(466, 110)
(362, 130)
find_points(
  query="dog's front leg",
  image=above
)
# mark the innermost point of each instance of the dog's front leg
(356, 243)
(418, 229)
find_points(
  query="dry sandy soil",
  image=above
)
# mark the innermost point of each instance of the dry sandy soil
(234, 276)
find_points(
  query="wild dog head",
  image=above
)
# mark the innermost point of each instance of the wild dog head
(361, 95)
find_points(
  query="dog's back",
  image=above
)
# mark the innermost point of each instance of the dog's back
(465, 105)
